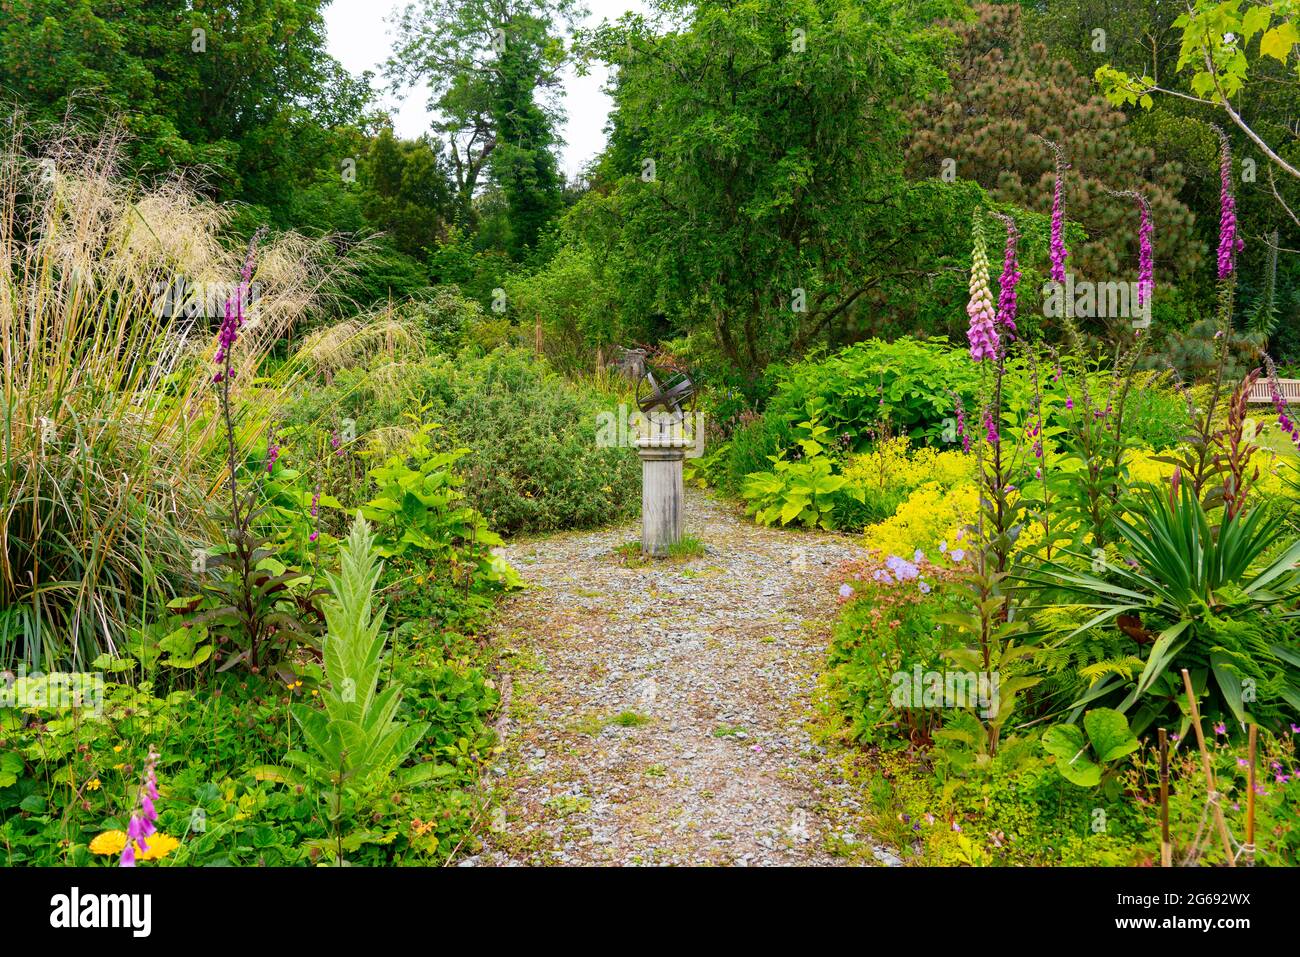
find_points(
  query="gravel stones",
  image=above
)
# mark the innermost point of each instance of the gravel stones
(658, 712)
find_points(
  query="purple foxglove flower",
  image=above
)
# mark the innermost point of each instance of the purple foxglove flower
(961, 422)
(983, 334)
(141, 824)
(1229, 242)
(1007, 282)
(1058, 250)
(1146, 269)
(991, 429)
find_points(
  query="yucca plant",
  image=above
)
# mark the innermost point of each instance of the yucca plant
(1220, 600)
(111, 442)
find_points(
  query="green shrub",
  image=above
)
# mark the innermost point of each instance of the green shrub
(804, 492)
(751, 448)
(533, 465)
(444, 317)
(1157, 416)
(575, 305)
(418, 506)
(907, 383)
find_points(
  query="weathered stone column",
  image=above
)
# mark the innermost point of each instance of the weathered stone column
(662, 490)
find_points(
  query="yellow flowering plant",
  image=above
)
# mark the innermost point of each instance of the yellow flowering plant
(111, 844)
(931, 515)
(883, 477)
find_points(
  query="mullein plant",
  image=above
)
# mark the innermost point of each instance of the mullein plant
(355, 743)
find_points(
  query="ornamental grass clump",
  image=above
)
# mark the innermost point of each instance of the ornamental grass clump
(108, 419)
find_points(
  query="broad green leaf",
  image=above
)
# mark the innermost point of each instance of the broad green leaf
(1229, 683)
(1065, 743)
(276, 773)
(1109, 734)
(1255, 19)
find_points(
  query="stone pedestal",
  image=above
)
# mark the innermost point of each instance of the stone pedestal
(662, 491)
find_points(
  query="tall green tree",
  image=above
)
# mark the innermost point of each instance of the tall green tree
(1007, 91)
(405, 193)
(492, 68)
(754, 186)
(241, 88)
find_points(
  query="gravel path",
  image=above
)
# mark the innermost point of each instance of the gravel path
(656, 714)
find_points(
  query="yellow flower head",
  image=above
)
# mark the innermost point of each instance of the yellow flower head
(160, 845)
(110, 842)
(92, 784)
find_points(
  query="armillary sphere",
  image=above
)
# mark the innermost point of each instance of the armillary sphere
(666, 390)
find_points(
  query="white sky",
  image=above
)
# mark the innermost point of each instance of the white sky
(360, 39)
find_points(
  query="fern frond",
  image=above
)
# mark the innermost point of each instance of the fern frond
(1125, 667)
